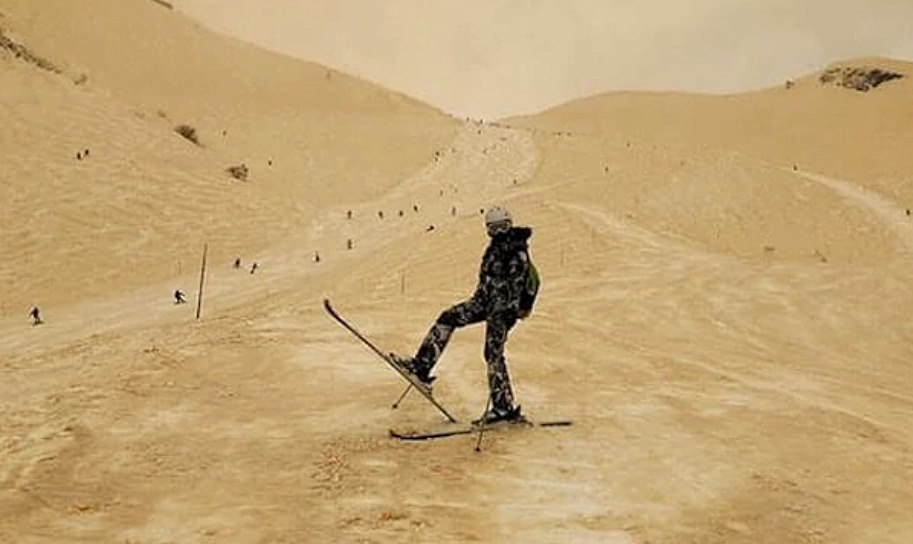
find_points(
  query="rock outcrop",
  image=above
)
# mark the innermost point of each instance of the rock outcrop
(861, 79)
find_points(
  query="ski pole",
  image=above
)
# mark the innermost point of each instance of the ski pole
(401, 397)
(482, 424)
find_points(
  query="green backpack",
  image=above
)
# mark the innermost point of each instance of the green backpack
(530, 290)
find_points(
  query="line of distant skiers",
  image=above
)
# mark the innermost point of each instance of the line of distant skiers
(179, 296)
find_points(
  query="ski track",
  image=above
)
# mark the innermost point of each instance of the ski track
(887, 210)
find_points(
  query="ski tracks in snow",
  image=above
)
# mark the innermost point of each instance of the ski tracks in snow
(886, 209)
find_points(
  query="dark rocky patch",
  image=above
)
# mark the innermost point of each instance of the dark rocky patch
(861, 79)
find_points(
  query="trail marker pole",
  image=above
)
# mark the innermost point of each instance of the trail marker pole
(202, 277)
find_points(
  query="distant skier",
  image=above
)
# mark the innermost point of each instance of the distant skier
(35, 314)
(179, 297)
(237, 263)
(504, 294)
(254, 267)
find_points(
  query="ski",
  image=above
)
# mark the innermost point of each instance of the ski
(418, 386)
(468, 429)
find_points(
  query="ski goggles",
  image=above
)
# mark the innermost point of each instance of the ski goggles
(499, 227)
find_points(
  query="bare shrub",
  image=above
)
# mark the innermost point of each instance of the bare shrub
(238, 172)
(188, 132)
(24, 53)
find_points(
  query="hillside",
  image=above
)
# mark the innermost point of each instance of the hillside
(140, 206)
(818, 126)
(729, 171)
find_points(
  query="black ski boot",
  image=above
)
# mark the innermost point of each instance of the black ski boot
(498, 415)
(417, 371)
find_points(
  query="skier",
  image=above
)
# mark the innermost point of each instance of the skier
(179, 297)
(503, 278)
(35, 314)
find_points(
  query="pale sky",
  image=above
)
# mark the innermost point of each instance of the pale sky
(495, 58)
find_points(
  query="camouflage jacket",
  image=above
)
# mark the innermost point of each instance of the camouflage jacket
(504, 270)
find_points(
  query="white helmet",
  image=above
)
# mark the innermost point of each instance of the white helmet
(497, 214)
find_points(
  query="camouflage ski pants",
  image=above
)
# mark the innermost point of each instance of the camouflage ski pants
(497, 326)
